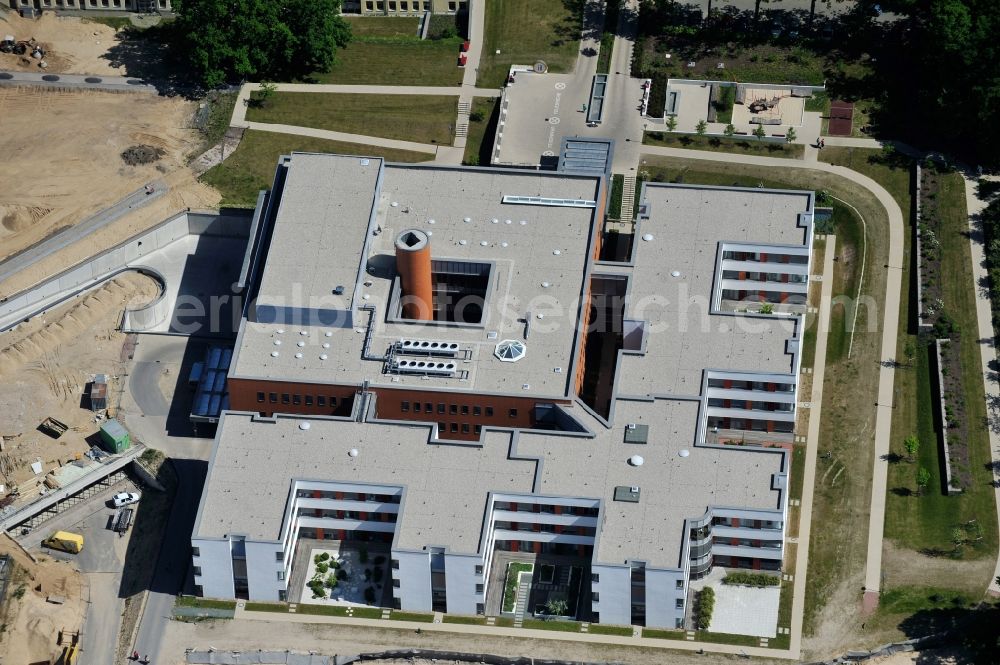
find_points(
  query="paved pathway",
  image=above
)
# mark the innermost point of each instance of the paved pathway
(478, 632)
(341, 136)
(812, 445)
(72, 234)
(987, 348)
(890, 318)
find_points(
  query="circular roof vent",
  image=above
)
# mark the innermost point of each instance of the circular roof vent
(636, 460)
(304, 426)
(684, 453)
(510, 350)
(353, 452)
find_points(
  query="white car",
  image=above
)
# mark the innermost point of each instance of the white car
(125, 498)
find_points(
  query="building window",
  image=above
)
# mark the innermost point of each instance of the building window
(309, 400)
(195, 551)
(479, 588)
(452, 6)
(512, 413)
(272, 398)
(465, 409)
(428, 408)
(196, 571)
(404, 407)
(441, 407)
(479, 570)
(285, 398)
(454, 427)
(489, 412)
(416, 407)
(453, 409)
(679, 604)
(395, 584)
(281, 575)
(279, 557)
(478, 429)
(296, 400)
(260, 398)
(465, 428)
(404, 5)
(320, 400)
(680, 585)
(595, 597)
(392, 5)
(333, 402)
(442, 427)
(595, 577)
(477, 410)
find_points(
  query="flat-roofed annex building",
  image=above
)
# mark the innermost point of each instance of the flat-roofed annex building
(571, 401)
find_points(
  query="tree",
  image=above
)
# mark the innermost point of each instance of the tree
(759, 132)
(912, 445)
(229, 40)
(790, 136)
(729, 130)
(265, 93)
(923, 479)
(701, 127)
(671, 123)
(557, 607)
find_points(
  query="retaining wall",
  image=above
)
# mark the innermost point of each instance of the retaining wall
(946, 452)
(922, 323)
(124, 256)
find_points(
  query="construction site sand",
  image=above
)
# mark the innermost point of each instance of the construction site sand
(32, 624)
(45, 365)
(63, 164)
(72, 45)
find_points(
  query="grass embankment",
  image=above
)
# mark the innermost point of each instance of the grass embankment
(564, 626)
(386, 50)
(479, 139)
(339, 611)
(601, 629)
(837, 550)
(251, 168)
(415, 118)
(205, 603)
(743, 145)
(525, 32)
(927, 522)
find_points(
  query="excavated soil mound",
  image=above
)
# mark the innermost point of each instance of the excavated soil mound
(141, 154)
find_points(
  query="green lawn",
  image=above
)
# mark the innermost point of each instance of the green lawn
(724, 105)
(525, 31)
(926, 522)
(417, 118)
(205, 603)
(266, 607)
(419, 617)
(514, 570)
(600, 629)
(251, 168)
(479, 140)
(663, 634)
(617, 191)
(564, 626)
(339, 611)
(469, 621)
(606, 51)
(383, 26)
(395, 61)
(743, 145)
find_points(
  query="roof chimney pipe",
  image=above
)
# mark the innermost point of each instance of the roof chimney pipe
(413, 263)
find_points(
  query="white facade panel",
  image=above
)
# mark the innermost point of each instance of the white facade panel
(662, 595)
(460, 583)
(263, 569)
(614, 594)
(215, 560)
(414, 576)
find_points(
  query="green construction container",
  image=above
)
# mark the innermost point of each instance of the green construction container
(115, 437)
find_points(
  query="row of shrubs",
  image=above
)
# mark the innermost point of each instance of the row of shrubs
(751, 579)
(706, 604)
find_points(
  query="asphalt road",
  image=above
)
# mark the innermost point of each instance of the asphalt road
(174, 559)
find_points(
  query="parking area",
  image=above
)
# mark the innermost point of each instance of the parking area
(540, 110)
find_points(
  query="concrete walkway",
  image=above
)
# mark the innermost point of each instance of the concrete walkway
(987, 348)
(812, 446)
(477, 632)
(887, 353)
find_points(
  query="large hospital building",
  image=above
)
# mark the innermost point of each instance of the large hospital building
(463, 367)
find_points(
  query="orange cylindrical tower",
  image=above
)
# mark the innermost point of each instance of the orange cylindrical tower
(413, 262)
